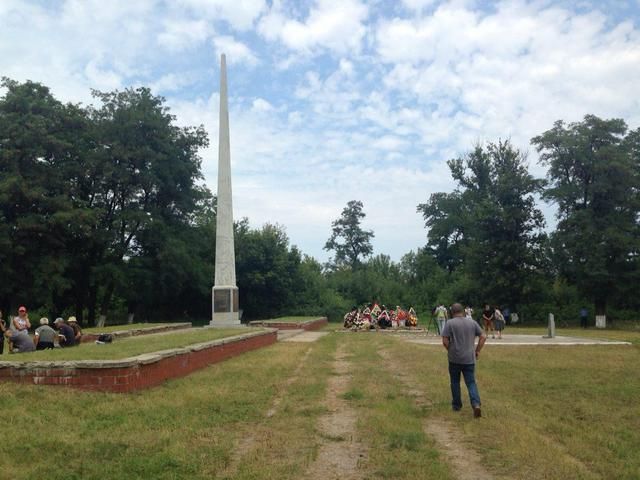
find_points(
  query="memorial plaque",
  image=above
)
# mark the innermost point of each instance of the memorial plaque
(222, 300)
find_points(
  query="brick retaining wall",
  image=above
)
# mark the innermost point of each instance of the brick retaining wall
(134, 373)
(133, 332)
(315, 324)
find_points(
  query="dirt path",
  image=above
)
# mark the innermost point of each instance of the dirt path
(465, 463)
(341, 453)
(249, 441)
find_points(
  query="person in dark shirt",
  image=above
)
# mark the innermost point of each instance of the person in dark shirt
(77, 331)
(66, 335)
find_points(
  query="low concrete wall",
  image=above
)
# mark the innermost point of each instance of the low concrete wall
(314, 324)
(92, 337)
(142, 371)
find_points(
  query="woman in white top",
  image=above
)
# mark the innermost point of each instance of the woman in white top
(21, 322)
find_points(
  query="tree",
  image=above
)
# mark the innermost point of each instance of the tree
(268, 270)
(349, 241)
(594, 178)
(489, 226)
(39, 138)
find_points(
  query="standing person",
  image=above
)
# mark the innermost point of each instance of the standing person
(441, 317)
(584, 313)
(3, 327)
(458, 337)
(506, 313)
(498, 319)
(487, 320)
(468, 312)
(44, 335)
(21, 322)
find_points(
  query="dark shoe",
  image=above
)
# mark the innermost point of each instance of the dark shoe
(477, 413)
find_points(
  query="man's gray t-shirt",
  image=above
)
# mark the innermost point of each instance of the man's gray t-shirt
(462, 333)
(22, 342)
(46, 333)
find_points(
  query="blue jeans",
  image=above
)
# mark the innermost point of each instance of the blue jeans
(468, 372)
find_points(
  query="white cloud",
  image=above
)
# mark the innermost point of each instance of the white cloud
(184, 33)
(417, 5)
(336, 25)
(235, 51)
(240, 14)
(349, 101)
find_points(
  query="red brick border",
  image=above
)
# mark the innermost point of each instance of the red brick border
(134, 332)
(134, 373)
(315, 324)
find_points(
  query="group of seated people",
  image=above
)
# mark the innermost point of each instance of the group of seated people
(374, 316)
(66, 333)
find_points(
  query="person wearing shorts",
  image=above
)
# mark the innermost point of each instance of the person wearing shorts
(487, 320)
(498, 320)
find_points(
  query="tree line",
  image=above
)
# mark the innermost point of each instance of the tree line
(104, 214)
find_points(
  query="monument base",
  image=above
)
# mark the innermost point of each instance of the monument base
(225, 311)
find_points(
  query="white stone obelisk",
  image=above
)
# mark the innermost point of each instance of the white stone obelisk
(225, 292)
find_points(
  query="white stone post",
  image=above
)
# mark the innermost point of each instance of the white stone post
(225, 304)
(551, 327)
(601, 321)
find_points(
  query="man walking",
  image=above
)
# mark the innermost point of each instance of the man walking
(458, 337)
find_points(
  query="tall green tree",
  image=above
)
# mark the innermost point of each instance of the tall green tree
(594, 178)
(489, 226)
(267, 269)
(348, 240)
(39, 138)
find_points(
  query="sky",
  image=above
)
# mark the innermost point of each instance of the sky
(339, 100)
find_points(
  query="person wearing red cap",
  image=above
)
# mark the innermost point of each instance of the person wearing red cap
(21, 322)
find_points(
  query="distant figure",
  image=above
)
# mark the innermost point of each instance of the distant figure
(3, 327)
(66, 337)
(506, 313)
(584, 314)
(21, 322)
(441, 317)
(498, 319)
(44, 336)
(468, 312)
(77, 331)
(458, 337)
(487, 320)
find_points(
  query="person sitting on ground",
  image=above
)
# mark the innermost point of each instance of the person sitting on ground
(21, 322)
(44, 336)
(66, 337)
(19, 340)
(77, 331)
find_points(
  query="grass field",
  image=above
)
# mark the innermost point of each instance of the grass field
(548, 413)
(129, 346)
